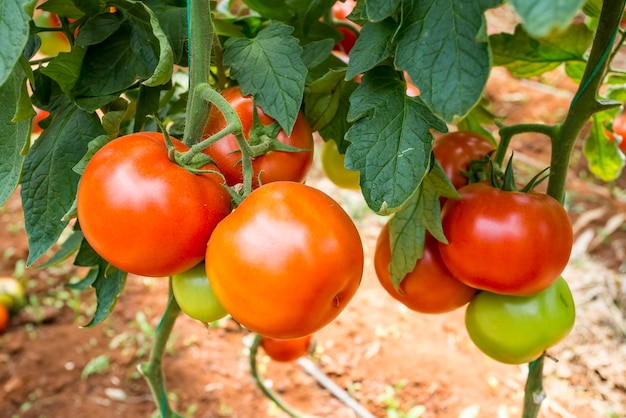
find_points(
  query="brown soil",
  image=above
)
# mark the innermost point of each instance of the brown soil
(385, 356)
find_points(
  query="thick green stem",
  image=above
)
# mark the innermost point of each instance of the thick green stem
(585, 103)
(533, 392)
(508, 132)
(200, 42)
(152, 370)
(258, 380)
(583, 106)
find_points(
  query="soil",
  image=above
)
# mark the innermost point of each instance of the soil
(388, 358)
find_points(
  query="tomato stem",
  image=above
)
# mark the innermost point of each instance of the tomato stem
(152, 370)
(258, 380)
(508, 132)
(200, 29)
(533, 391)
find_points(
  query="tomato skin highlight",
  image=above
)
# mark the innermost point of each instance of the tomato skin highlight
(455, 151)
(195, 296)
(145, 214)
(516, 330)
(287, 260)
(273, 166)
(286, 350)
(430, 287)
(333, 164)
(505, 242)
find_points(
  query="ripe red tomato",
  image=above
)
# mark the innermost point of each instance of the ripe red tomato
(430, 287)
(341, 10)
(273, 166)
(145, 214)
(455, 150)
(619, 127)
(195, 296)
(286, 350)
(516, 330)
(505, 242)
(4, 318)
(41, 115)
(287, 260)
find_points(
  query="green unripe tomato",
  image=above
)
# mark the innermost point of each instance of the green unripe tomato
(12, 294)
(518, 329)
(195, 296)
(333, 164)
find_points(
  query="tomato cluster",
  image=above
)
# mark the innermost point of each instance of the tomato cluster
(12, 299)
(283, 263)
(505, 252)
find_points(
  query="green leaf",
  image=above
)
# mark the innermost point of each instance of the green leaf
(377, 10)
(109, 284)
(478, 117)
(96, 365)
(314, 53)
(48, 184)
(271, 9)
(525, 56)
(421, 213)
(605, 159)
(373, 45)
(575, 70)
(323, 100)
(173, 21)
(67, 248)
(97, 29)
(443, 48)
(65, 8)
(270, 68)
(13, 136)
(544, 17)
(14, 34)
(93, 146)
(65, 69)
(391, 139)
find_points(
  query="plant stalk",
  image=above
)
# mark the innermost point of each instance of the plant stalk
(152, 370)
(200, 41)
(583, 106)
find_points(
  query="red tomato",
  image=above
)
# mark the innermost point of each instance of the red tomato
(430, 287)
(619, 127)
(455, 150)
(273, 166)
(145, 214)
(41, 115)
(347, 42)
(287, 260)
(341, 10)
(4, 318)
(286, 350)
(509, 243)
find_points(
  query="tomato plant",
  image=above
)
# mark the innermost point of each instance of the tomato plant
(429, 287)
(195, 296)
(286, 350)
(505, 242)
(286, 262)
(142, 212)
(455, 151)
(333, 164)
(272, 166)
(514, 329)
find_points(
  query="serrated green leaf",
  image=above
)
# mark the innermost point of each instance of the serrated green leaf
(97, 29)
(421, 213)
(377, 10)
(441, 47)
(14, 34)
(109, 285)
(86, 282)
(173, 21)
(524, 56)
(270, 68)
(65, 8)
(543, 17)
(65, 69)
(48, 184)
(605, 159)
(13, 136)
(67, 248)
(314, 53)
(391, 139)
(92, 147)
(373, 45)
